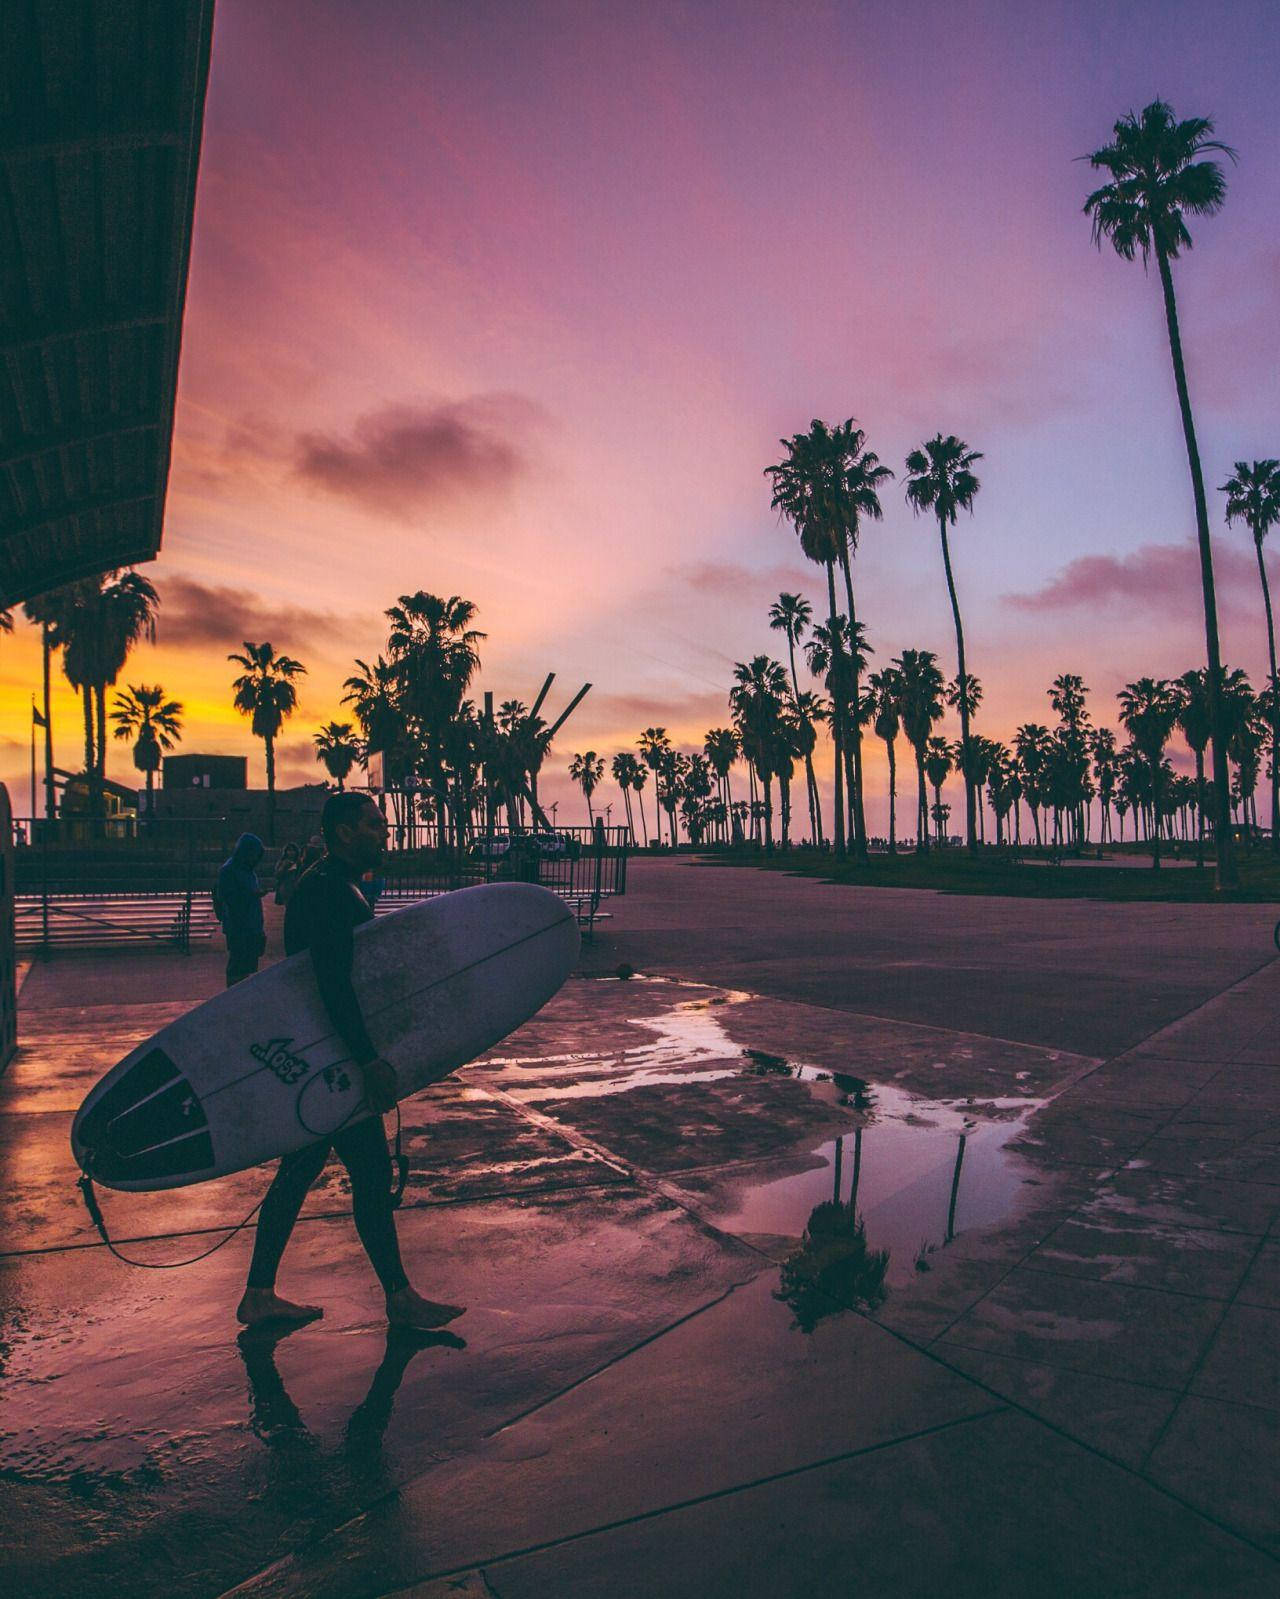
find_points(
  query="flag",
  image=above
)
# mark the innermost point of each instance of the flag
(36, 719)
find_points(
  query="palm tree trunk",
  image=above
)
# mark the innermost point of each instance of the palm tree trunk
(893, 792)
(1199, 807)
(1226, 872)
(86, 696)
(1274, 717)
(49, 802)
(859, 815)
(971, 836)
(922, 807)
(271, 788)
(837, 722)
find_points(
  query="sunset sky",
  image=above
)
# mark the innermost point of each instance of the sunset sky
(513, 301)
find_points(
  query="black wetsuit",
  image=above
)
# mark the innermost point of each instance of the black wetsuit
(323, 913)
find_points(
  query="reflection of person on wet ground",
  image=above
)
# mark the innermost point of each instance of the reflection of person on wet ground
(239, 906)
(277, 1420)
(323, 912)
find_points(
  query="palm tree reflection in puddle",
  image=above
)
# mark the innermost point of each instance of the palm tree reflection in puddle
(834, 1270)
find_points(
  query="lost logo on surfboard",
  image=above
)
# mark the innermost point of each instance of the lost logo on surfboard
(276, 1055)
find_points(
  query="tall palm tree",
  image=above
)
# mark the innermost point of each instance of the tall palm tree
(142, 713)
(47, 611)
(886, 694)
(1253, 496)
(758, 701)
(1148, 712)
(1031, 745)
(827, 484)
(937, 766)
(940, 479)
(1102, 747)
(655, 750)
(721, 750)
(338, 750)
(1156, 182)
(791, 614)
(624, 767)
(1196, 726)
(266, 690)
(98, 620)
(586, 771)
(920, 686)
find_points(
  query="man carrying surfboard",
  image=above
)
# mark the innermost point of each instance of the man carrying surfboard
(325, 908)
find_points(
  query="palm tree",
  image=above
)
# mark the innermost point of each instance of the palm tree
(338, 749)
(758, 700)
(1148, 712)
(586, 771)
(1155, 183)
(886, 693)
(721, 750)
(1031, 745)
(47, 611)
(937, 766)
(1253, 495)
(940, 479)
(624, 767)
(97, 621)
(655, 748)
(1196, 727)
(266, 691)
(791, 614)
(142, 713)
(920, 686)
(1102, 746)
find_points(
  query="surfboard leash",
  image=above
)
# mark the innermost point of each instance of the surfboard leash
(85, 1184)
(402, 1165)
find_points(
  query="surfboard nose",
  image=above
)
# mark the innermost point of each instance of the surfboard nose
(147, 1128)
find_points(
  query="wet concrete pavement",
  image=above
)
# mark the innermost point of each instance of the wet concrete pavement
(769, 1294)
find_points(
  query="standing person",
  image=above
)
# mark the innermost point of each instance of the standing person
(238, 901)
(288, 870)
(323, 912)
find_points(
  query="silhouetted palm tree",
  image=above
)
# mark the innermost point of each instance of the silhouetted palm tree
(1156, 182)
(940, 479)
(886, 694)
(266, 691)
(937, 766)
(721, 749)
(338, 750)
(1148, 712)
(655, 750)
(47, 611)
(155, 723)
(920, 686)
(758, 699)
(791, 614)
(1253, 496)
(586, 771)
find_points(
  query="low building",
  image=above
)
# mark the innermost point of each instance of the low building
(244, 810)
(204, 771)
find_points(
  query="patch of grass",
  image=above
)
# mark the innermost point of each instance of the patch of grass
(955, 871)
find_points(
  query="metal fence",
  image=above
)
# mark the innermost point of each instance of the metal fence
(90, 883)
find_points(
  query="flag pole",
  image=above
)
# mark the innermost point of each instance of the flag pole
(32, 812)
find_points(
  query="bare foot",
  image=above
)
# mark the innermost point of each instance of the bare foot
(263, 1304)
(407, 1308)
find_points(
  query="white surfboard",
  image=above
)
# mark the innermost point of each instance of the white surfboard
(259, 1071)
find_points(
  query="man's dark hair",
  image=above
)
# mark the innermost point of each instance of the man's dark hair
(341, 810)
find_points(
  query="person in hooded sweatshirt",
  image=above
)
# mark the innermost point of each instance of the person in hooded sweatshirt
(239, 905)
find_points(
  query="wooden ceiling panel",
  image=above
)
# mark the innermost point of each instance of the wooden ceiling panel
(101, 112)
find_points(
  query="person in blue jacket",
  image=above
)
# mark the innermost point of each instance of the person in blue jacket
(238, 899)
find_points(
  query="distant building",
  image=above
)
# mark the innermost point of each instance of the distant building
(204, 772)
(244, 810)
(117, 800)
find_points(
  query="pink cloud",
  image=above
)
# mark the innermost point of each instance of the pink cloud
(1164, 575)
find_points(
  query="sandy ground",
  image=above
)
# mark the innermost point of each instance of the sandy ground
(867, 1241)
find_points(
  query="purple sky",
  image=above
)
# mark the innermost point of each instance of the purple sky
(514, 301)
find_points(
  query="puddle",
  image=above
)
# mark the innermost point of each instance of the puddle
(916, 1172)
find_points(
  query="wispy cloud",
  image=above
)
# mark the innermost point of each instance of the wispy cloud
(401, 458)
(194, 613)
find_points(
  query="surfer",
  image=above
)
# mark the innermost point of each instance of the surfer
(325, 908)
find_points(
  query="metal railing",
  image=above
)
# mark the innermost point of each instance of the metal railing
(89, 883)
